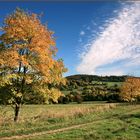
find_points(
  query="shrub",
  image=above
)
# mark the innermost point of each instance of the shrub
(78, 98)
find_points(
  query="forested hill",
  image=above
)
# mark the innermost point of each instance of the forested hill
(97, 78)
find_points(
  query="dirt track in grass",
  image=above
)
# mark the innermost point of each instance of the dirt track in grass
(24, 136)
(49, 131)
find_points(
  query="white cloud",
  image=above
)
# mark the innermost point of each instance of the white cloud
(82, 33)
(118, 41)
(117, 72)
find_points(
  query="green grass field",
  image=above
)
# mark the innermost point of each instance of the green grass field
(109, 84)
(87, 121)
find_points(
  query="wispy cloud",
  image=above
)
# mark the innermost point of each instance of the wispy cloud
(119, 40)
(82, 33)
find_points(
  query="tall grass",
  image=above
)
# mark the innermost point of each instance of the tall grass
(45, 112)
(38, 118)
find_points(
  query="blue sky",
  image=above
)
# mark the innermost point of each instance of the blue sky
(87, 34)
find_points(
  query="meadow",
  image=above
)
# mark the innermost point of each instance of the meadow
(89, 120)
(80, 106)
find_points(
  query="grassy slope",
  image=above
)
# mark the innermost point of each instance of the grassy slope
(103, 121)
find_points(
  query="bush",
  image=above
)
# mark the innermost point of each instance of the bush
(63, 100)
(113, 97)
(78, 98)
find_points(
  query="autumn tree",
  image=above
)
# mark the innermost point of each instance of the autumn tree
(27, 58)
(130, 90)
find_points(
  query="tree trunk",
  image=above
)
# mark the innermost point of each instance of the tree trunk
(17, 107)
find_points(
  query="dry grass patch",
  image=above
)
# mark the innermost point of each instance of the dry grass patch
(75, 111)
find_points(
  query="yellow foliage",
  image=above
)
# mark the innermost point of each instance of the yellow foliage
(130, 90)
(55, 94)
(27, 53)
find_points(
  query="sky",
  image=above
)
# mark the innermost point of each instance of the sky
(101, 38)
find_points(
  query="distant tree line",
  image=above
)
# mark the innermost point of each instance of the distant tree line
(90, 78)
(85, 88)
(101, 88)
(90, 91)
